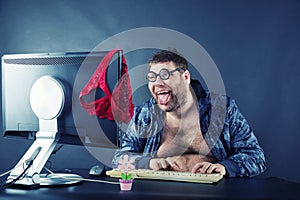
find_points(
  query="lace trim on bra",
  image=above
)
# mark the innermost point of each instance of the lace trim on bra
(117, 105)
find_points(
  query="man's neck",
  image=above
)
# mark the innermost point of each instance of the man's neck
(189, 108)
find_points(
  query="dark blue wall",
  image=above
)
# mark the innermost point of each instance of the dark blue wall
(254, 43)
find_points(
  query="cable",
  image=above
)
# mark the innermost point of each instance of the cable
(5, 173)
(80, 179)
(57, 149)
(8, 184)
(28, 164)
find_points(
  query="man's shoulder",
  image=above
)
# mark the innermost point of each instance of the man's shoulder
(145, 106)
(214, 99)
(213, 96)
(144, 110)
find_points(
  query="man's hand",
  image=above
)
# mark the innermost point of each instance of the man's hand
(207, 167)
(176, 163)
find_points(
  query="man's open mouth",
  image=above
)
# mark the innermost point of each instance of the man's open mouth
(163, 97)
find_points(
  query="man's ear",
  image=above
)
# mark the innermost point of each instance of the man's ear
(187, 76)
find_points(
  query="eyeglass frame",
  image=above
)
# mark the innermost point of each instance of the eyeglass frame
(168, 72)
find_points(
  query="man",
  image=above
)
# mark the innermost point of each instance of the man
(176, 129)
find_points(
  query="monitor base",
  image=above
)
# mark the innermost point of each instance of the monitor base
(59, 179)
(50, 180)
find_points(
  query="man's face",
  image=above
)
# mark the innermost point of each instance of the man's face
(169, 94)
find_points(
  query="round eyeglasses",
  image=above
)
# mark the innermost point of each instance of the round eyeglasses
(164, 74)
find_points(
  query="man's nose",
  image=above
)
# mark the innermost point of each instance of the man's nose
(158, 81)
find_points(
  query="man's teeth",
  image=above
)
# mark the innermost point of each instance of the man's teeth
(162, 92)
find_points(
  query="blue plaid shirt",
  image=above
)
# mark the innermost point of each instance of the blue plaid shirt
(230, 138)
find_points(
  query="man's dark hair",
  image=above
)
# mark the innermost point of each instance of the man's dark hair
(168, 56)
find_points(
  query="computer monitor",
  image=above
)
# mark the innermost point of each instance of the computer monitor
(60, 77)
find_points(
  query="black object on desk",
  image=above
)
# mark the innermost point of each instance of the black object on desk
(227, 188)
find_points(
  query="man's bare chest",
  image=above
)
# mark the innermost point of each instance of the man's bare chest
(185, 139)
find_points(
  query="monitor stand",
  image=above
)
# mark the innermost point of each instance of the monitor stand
(47, 99)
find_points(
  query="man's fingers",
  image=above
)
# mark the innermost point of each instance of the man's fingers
(197, 167)
(201, 167)
(211, 168)
(155, 164)
(158, 163)
(178, 163)
(163, 163)
(206, 167)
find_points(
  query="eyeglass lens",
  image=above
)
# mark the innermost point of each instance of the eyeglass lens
(164, 74)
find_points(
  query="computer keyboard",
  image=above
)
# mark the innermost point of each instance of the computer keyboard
(169, 175)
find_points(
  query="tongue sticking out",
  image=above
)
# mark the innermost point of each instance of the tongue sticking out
(163, 98)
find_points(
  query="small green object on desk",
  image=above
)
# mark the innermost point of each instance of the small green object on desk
(126, 181)
(126, 176)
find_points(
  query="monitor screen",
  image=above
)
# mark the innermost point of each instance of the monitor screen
(76, 126)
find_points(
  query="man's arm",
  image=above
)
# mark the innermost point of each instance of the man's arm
(131, 145)
(246, 157)
(140, 139)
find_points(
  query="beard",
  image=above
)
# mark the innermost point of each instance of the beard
(175, 102)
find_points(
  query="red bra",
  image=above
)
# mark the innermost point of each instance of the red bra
(117, 106)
